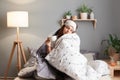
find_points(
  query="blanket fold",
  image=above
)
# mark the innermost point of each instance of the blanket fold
(67, 58)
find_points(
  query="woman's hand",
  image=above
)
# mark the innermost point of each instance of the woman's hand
(48, 43)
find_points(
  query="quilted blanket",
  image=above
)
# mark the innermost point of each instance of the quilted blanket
(67, 58)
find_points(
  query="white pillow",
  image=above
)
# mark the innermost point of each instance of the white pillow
(89, 56)
(100, 66)
(27, 71)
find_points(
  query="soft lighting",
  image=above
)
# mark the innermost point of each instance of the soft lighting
(17, 19)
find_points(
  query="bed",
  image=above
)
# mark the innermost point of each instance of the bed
(90, 55)
(66, 59)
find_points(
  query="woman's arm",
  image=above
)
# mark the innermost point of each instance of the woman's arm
(49, 48)
(48, 44)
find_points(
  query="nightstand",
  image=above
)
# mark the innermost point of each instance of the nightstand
(113, 69)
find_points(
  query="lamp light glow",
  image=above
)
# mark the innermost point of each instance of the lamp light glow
(17, 19)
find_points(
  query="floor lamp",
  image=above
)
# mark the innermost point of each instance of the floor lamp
(17, 19)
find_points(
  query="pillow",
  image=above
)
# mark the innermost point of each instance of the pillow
(32, 52)
(43, 70)
(27, 71)
(32, 59)
(89, 56)
(100, 66)
(95, 56)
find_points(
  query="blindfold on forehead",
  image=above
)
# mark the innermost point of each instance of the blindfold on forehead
(71, 23)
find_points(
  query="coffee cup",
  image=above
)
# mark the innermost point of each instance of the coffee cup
(53, 38)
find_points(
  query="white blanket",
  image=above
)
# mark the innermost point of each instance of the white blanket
(67, 58)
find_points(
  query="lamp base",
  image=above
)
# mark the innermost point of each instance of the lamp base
(20, 51)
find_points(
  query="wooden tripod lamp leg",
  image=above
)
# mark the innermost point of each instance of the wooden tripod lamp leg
(18, 57)
(10, 59)
(22, 51)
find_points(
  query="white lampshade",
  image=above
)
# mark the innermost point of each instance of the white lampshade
(17, 19)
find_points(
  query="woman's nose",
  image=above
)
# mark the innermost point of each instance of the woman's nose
(68, 30)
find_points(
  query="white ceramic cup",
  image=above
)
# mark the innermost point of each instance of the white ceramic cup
(53, 38)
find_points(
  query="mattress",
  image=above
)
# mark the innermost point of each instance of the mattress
(107, 77)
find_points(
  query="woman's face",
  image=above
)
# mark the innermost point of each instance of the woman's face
(68, 30)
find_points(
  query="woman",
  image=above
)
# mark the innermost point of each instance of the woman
(65, 56)
(66, 51)
(68, 28)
